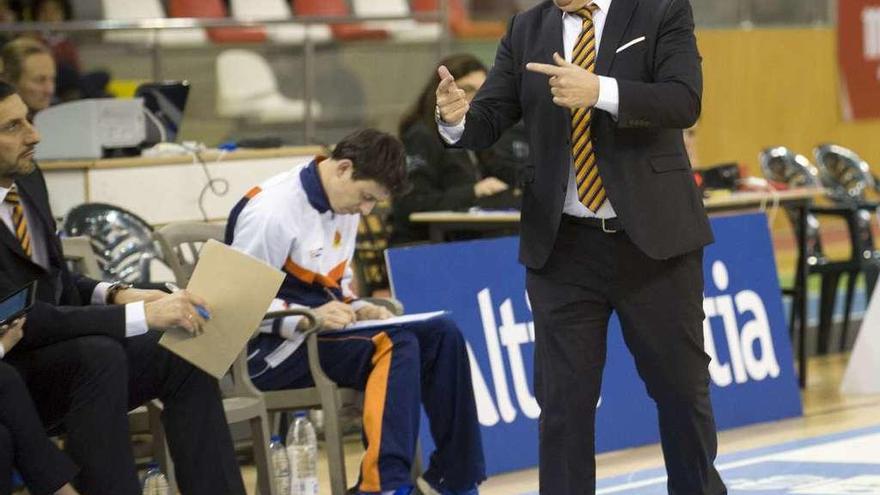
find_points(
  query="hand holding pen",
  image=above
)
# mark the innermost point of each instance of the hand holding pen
(179, 309)
(335, 314)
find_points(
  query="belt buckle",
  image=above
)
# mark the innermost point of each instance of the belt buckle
(606, 229)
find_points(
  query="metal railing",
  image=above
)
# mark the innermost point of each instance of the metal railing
(156, 26)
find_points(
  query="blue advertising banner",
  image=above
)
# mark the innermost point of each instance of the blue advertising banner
(483, 285)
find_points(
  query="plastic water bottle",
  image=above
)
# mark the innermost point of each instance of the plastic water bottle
(302, 449)
(155, 482)
(280, 466)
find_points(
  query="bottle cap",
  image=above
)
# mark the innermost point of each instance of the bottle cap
(275, 438)
(152, 465)
(300, 414)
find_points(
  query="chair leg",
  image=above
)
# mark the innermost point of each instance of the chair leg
(847, 309)
(335, 449)
(161, 453)
(826, 310)
(262, 459)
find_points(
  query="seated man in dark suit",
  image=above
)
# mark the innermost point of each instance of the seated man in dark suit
(23, 443)
(90, 350)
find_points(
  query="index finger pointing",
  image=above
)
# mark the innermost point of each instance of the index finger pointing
(546, 69)
(446, 78)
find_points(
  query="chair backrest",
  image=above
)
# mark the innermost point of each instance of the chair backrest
(844, 172)
(321, 7)
(782, 165)
(379, 8)
(181, 243)
(457, 11)
(122, 241)
(197, 8)
(80, 257)
(245, 74)
(146, 9)
(848, 177)
(242, 76)
(268, 10)
(133, 9)
(215, 9)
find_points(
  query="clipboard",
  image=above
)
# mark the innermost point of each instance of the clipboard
(238, 289)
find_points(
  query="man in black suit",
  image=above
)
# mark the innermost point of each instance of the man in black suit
(611, 218)
(90, 351)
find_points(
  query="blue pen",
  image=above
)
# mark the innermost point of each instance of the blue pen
(201, 309)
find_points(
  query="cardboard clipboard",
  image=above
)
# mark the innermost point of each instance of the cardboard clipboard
(238, 288)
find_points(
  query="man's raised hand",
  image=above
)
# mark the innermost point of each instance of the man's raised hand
(571, 85)
(451, 101)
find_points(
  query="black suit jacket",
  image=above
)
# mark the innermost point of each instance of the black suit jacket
(61, 310)
(641, 155)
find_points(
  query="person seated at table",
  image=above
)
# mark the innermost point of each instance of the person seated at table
(445, 178)
(304, 222)
(23, 442)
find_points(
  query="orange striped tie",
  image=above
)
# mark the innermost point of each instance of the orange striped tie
(19, 221)
(591, 192)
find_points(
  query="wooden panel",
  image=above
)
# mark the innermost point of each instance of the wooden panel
(774, 86)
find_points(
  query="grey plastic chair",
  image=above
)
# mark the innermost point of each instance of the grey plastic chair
(180, 244)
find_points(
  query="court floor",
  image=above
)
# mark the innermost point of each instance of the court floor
(816, 448)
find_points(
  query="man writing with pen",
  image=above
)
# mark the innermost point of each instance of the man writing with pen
(305, 222)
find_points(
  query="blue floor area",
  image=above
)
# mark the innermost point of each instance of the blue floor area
(840, 464)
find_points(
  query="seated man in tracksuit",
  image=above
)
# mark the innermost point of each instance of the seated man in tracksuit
(305, 222)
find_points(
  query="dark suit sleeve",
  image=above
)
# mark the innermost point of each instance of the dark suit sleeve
(496, 106)
(85, 286)
(507, 158)
(47, 324)
(672, 99)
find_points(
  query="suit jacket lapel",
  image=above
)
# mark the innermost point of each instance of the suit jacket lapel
(619, 15)
(553, 25)
(11, 242)
(552, 42)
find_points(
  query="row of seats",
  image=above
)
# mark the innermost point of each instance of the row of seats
(293, 34)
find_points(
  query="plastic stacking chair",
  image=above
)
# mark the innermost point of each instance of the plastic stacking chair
(460, 22)
(180, 242)
(80, 258)
(849, 179)
(247, 89)
(121, 240)
(216, 9)
(781, 165)
(341, 31)
(401, 30)
(278, 10)
(130, 10)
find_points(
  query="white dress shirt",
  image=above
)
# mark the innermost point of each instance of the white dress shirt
(135, 316)
(609, 101)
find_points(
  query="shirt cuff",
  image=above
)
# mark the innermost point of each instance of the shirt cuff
(358, 304)
(135, 319)
(609, 96)
(2, 351)
(287, 330)
(99, 295)
(450, 133)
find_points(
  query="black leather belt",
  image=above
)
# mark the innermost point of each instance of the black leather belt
(607, 225)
